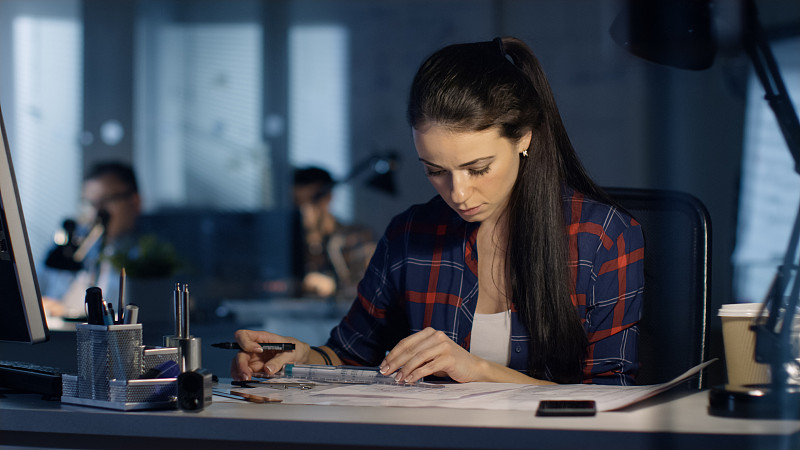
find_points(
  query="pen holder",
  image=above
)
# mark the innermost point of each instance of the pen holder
(105, 353)
(189, 357)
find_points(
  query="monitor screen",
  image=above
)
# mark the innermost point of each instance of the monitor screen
(21, 313)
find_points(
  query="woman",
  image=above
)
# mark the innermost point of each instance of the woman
(560, 267)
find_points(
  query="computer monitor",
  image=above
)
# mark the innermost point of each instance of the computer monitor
(21, 313)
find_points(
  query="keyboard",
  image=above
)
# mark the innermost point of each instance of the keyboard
(27, 377)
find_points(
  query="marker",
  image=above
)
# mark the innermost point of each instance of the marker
(94, 306)
(131, 314)
(345, 374)
(274, 347)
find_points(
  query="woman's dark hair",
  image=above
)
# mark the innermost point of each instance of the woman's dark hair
(474, 87)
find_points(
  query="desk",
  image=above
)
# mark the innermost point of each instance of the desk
(664, 422)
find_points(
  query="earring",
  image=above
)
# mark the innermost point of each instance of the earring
(525, 153)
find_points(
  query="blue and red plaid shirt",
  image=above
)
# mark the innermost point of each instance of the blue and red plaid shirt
(425, 274)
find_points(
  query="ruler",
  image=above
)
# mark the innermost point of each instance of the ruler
(345, 375)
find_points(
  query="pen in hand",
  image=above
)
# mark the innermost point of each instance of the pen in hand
(275, 347)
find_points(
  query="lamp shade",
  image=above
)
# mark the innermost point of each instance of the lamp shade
(677, 33)
(383, 167)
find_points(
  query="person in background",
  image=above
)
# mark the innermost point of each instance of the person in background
(330, 257)
(520, 270)
(109, 198)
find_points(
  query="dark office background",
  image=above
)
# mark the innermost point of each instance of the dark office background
(213, 102)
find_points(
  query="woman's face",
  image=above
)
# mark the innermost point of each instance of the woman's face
(473, 171)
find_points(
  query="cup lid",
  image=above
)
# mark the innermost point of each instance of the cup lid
(741, 310)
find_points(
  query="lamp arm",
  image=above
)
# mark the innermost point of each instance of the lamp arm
(766, 68)
(358, 168)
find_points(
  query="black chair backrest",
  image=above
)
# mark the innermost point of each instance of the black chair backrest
(674, 330)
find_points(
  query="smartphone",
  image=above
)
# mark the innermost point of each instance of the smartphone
(566, 408)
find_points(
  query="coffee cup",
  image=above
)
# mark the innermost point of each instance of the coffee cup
(739, 342)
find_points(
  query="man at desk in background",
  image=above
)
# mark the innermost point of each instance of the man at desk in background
(330, 257)
(110, 208)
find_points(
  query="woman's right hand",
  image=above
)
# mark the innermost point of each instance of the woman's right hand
(252, 359)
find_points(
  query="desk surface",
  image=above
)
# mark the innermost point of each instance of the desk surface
(663, 422)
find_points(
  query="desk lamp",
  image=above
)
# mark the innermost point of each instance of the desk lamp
(69, 253)
(381, 167)
(679, 33)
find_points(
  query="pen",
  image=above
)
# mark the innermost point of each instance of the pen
(185, 309)
(108, 318)
(276, 347)
(178, 299)
(121, 300)
(111, 313)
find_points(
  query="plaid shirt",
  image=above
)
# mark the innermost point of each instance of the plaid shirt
(425, 274)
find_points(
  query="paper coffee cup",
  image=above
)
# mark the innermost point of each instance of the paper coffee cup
(740, 343)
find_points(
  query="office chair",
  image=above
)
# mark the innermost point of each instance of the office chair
(674, 330)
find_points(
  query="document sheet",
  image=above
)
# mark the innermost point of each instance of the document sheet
(476, 395)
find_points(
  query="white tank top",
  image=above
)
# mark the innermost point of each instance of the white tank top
(491, 337)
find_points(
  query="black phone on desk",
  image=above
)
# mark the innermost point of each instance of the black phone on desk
(550, 408)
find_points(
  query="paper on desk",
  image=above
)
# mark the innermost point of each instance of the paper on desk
(497, 396)
(455, 391)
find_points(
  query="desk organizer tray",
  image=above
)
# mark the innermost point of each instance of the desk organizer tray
(126, 395)
(111, 358)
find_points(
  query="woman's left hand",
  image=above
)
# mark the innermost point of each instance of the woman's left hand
(431, 352)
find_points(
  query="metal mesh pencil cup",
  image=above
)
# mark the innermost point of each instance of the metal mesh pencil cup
(105, 353)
